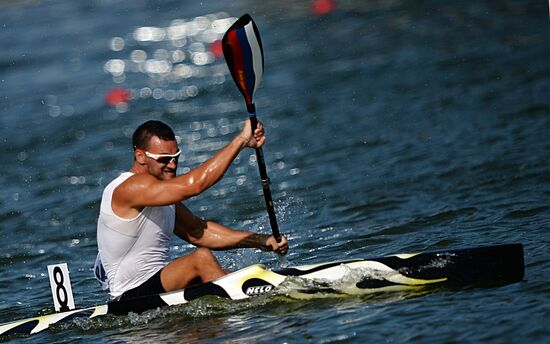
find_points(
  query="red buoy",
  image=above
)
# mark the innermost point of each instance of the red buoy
(117, 95)
(323, 7)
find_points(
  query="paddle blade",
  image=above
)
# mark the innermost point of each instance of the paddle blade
(242, 48)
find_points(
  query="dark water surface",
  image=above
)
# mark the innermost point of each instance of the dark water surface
(393, 126)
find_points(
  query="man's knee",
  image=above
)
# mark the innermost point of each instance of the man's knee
(204, 254)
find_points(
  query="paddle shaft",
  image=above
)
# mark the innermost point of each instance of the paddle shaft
(264, 178)
(242, 48)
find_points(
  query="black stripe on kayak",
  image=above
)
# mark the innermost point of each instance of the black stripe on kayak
(203, 290)
(135, 305)
(85, 313)
(144, 303)
(498, 264)
(371, 283)
(26, 327)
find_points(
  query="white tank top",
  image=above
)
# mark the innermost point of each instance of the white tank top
(132, 250)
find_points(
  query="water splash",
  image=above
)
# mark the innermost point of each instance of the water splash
(345, 285)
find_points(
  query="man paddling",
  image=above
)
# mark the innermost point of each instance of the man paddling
(142, 208)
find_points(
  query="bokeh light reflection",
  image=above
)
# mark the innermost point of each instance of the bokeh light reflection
(170, 63)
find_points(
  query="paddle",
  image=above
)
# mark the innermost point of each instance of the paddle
(242, 48)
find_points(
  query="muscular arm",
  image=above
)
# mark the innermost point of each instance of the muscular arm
(143, 189)
(218, 237)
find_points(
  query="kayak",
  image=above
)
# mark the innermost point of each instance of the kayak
(456, 268)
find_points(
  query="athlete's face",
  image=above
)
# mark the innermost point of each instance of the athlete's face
(162, 158)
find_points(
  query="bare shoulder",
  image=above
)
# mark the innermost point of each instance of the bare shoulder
(136, 183)
(129, 193)
(145, 190)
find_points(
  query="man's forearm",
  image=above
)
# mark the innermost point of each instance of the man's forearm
(255, 240)
(213, 169)
(218, 237)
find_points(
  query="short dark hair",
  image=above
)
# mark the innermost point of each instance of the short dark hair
(147, 130)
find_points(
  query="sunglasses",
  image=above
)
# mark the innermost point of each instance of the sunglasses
(164, 159)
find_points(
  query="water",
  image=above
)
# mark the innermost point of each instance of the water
(392, 127)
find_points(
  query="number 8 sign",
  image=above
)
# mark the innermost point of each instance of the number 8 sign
(61, 287)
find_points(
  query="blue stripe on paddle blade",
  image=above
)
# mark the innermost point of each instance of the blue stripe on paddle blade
(248, 66)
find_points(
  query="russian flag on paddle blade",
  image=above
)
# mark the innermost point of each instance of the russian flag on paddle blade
(243, 51)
